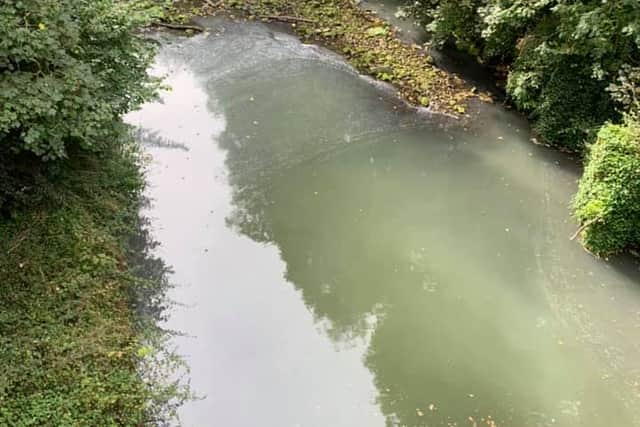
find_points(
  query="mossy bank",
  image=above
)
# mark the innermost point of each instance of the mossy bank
(369, 43)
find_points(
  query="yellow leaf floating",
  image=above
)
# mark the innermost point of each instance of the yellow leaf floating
(42, 26)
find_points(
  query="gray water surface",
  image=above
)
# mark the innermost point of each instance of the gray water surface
(346, 261)
(395, 12)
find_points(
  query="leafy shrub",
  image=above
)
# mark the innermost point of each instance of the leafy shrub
(626, 90)
(69, 69)
(571, 106)
(573, 68)
(72, 351)
(453, 19)
(563, 55)
(608, 199)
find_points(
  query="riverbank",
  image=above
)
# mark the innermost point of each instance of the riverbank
(374, 47)
(80, 293)
(73, 349)
(368, 43)
(378, 236)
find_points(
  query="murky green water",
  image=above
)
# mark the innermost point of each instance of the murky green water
(345, 261)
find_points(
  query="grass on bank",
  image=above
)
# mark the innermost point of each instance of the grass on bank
(73, 350)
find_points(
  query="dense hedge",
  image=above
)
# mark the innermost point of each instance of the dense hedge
(69, 69)
(562, 56)
(608, 199)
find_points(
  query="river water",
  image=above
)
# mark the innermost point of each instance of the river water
(343, 260)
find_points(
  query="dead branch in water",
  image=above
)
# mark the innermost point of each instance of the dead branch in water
(178, 26)
(582, 227)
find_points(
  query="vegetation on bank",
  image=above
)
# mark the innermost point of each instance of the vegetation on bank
(561, 57)
(608, 199)
(368, 43)
(573, 67)
(73, 351)
(78, 344)
(69, 71)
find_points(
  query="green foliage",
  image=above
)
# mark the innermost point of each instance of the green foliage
(563, 55)
(70, 179)
(149, 10)
(69, 69)
(608, 199)
(452, 19)
(565, 114)
(572, 67)
(626, 90)
(69, 341)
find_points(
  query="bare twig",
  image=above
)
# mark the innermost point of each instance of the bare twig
(583, 226)
(18, 242)
(178, 26)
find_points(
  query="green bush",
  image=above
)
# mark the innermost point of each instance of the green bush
(453, 20)
(69, 69)
(72, 350)
(562, 55)
(571, 106)
(608, 199)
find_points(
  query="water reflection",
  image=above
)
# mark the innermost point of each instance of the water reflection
(444, 250)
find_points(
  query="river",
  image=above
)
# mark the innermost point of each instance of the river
(344, 260)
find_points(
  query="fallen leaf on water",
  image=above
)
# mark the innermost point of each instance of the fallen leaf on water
(376, 31)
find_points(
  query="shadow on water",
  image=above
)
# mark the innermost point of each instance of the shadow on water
(151, 301)
(163, 370)
(445, 248)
